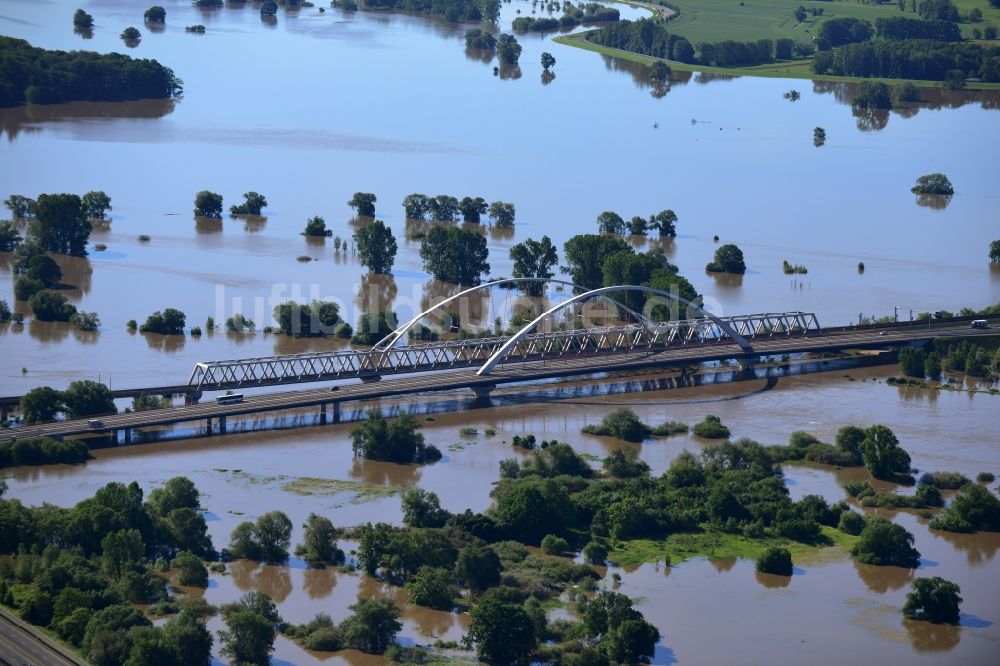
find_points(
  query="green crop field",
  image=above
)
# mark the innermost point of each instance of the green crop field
(717, 20)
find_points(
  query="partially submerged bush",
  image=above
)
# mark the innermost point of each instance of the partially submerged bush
(711, 428)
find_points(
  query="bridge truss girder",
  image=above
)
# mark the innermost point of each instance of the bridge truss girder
(557, 344)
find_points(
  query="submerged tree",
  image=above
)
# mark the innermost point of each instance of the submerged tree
(934, 183)
(155, 14)
(61, 224)
(534, 259)
(610, 222)
(508, 50)
(397, 441)
(253, 204)
(82, 20)
(455, 255)
(208, 204)
(251, 627)
(728, 259)
(883, 543)
(933, 599)
(502, 214)
(319, 542)
(882, 454)
(376, 247)
(472, 209)
(363, 204)
(96, 205)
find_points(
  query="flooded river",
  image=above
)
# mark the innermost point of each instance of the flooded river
(320, 105)
(834, 602)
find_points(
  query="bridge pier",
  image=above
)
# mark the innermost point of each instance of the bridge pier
(208, 427)
(126, 435)
(222, 425)
(483, 391)
(192, 398)
(336, 412)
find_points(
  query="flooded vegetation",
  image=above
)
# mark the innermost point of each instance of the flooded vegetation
(323, 105)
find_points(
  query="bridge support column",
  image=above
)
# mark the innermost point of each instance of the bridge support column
(322, 414)
(222, 425)
(192, 398)
(208, 427)
(336, 412)
(126, 436)
(483, 391)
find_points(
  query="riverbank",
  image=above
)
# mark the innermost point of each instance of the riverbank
(788, 69)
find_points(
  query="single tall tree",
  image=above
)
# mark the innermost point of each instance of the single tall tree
(534, 259)
(376, 247)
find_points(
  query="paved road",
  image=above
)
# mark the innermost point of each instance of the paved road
(829, 340)
(18, 646)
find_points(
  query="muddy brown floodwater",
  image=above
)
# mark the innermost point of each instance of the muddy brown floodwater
(831, 607)
(391, 104)
(316, 106)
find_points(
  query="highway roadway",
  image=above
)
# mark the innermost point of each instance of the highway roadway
(519, 371)
(19, 646)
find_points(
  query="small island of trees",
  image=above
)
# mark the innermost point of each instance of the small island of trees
(39, 76)
(155, 14)
(728, 259)
(934, 183)
(82, 20)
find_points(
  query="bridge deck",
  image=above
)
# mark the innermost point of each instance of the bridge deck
(524, 371)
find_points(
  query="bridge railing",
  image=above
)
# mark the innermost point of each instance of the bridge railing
(324, 366)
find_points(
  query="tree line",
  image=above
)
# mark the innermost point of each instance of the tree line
(79, 571)
(451, 10)
(896, 47)
(40, 76)
(650, 37)
(572, 16)
(446, 208)
(911, 59)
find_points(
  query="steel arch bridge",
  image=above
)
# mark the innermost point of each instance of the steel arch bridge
(388, 358)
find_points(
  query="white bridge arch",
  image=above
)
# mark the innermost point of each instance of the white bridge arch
(512, 342)
(388, 341)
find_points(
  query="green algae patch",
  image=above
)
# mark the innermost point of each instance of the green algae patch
(835, 545)
(360, 491)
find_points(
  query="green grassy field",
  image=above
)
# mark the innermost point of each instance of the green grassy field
(795, 69)
(717, 20)
(680, 547)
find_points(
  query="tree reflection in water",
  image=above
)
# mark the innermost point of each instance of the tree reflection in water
(772, 581)
(34, 117)
(319, 583)
(930, 637)
(934, 201)
(882, 579)
(722, 564)
(273, 580)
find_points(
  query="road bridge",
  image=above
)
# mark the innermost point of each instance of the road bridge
(528, 369)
